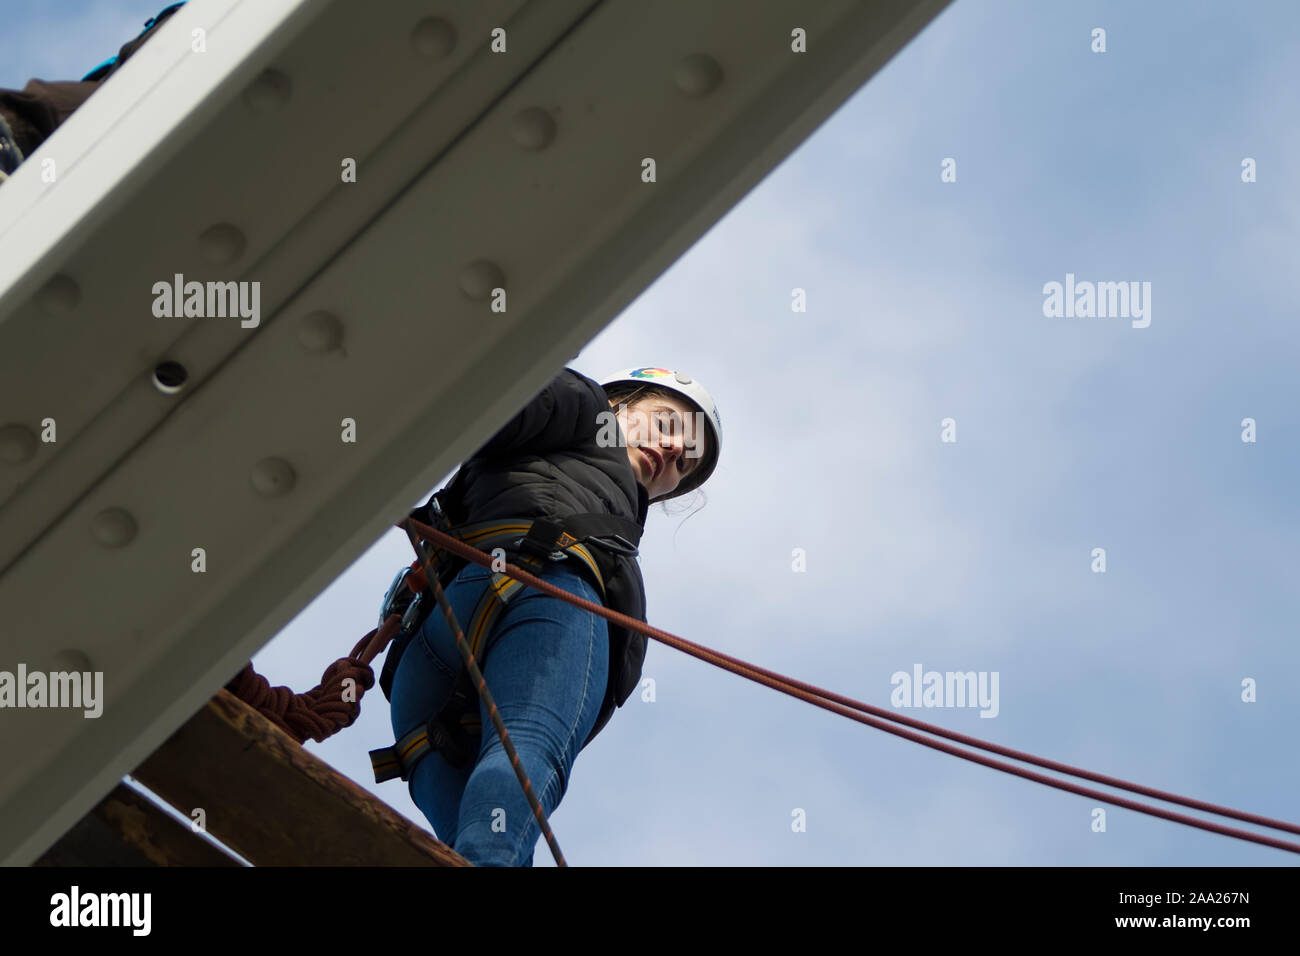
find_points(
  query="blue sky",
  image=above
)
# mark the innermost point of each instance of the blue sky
(925, 302)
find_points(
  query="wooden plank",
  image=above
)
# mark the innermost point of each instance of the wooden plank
(128, 829)
(276, 804)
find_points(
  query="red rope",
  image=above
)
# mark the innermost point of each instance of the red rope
(846, 706)
(322, 711)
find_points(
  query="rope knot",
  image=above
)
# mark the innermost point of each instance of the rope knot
(319, 713)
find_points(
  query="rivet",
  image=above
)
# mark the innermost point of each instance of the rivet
(684, 379)
(273, 477)
(269, 91)
(113, 527)
(320, 332)
(479, 278)
(433, 38)
(59, 296)
(222, 244)
(533, 128)
(170, 377)
(69, 659)
(17, 444)
(698, 74)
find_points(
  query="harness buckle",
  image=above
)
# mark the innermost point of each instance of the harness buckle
(541, 540)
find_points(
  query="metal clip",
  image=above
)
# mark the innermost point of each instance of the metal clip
(614, 543)
(393, 597)
(412, 613)
(628, 548)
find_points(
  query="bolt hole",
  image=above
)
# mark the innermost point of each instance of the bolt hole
(170, 377)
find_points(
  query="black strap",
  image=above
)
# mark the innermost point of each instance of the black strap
(446, 733)
(542, 539)
(596, 525)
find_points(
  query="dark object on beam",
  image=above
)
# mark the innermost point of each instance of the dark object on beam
(274, 803)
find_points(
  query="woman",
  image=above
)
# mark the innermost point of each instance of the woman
(557, 672)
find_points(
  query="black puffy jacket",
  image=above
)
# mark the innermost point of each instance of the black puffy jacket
(546, 462)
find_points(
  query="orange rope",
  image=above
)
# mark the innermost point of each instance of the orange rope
(476, 676)
(846, 706)
(322, 711)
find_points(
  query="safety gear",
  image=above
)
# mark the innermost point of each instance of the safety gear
(102, 71)
(550, 459)
(529, 542)
(698, 396)
(42, 106)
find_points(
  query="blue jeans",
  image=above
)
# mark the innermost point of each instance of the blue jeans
(546, 664)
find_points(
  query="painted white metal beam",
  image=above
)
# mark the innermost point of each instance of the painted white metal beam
(476, 169)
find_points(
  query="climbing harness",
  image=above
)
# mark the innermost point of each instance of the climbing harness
(453, 731)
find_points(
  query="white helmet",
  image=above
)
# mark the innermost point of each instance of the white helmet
(697, 395)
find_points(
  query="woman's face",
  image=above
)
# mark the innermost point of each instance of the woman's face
(666, 441)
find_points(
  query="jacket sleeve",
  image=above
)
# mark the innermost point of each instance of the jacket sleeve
(559, 416)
